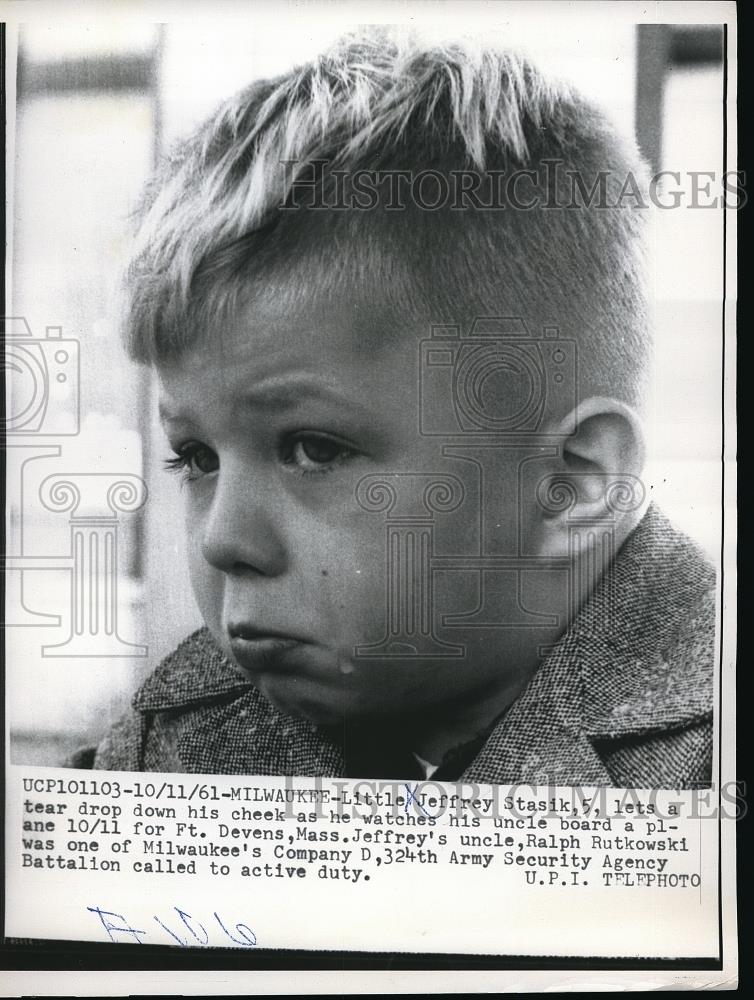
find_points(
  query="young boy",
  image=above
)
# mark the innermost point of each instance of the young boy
(397, 304)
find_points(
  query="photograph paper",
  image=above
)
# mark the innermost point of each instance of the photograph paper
(369, 447)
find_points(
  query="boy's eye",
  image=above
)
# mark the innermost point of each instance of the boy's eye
(195, 459)
(315, 452)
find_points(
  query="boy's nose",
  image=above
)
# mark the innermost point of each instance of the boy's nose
(240, 532)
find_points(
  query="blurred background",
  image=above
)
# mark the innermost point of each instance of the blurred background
(97, 104)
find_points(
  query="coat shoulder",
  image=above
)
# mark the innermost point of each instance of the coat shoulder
(122, 749)
(657, 730)
(193, 676)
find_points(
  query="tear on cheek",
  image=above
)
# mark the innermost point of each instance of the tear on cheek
(345, 665)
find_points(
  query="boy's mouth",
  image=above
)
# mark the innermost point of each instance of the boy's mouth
(258, 651)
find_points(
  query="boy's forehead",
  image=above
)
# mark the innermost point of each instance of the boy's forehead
(270, 351)
(303, 322)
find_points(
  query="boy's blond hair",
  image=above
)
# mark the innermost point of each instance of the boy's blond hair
(223, 212)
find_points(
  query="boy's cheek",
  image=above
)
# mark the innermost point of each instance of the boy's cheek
(336, 585)
(208, 589)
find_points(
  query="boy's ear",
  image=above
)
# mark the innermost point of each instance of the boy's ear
(596, 479)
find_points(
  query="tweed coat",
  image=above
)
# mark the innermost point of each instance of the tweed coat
(624, 699)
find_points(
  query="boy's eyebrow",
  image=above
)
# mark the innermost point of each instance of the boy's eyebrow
(284, 393)
(163, 413)
(279, 394)
(166, 416)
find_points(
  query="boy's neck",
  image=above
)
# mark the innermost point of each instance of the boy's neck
(433, 735)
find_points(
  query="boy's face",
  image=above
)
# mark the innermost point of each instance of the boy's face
(276, 419)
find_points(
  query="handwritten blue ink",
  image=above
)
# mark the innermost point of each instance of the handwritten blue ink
(116, 924)
(411, 797)
(183, 944)
(115, 928)
(185, 918)
(247, 942)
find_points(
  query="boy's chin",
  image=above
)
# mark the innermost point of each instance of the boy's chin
(321, 705)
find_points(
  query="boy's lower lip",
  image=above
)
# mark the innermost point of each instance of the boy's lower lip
(264, 653)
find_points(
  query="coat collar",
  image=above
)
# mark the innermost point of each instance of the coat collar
(229, 727)
(636, 660)
(195, 673)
